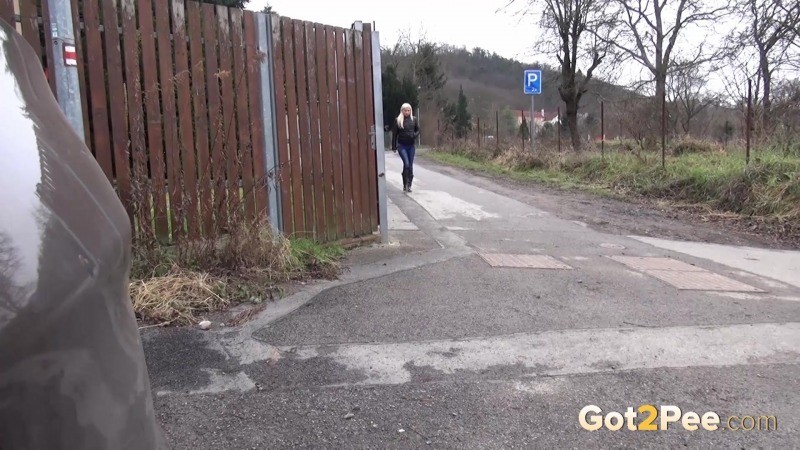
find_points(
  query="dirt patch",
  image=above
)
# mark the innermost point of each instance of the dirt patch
(631, 216)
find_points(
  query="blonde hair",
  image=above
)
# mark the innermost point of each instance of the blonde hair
(400, 117)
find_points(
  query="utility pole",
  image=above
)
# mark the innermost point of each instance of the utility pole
(65, 64)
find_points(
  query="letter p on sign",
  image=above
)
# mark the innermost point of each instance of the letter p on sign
(533, 81)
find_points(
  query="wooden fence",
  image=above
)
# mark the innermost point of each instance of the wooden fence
(325, 115)
(172, 108)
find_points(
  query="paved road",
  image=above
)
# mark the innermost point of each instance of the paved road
(434, 342)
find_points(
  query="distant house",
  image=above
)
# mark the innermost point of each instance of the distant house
(540, 118)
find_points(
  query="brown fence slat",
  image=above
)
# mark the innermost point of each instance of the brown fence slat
(369, 108)
(335, 156)
(138, 149)
(241, 82)
(29, 21)
(172, 155)
(230, 146)
(354, 105)
(293, 156)
(260, 171)
(305, 129)
(183, 87)
(215, 129)
(48, 47)
(7, 12)
(99, 139)
(119, 125)
(152, 105)
(283, 171)
(344, 121)
(325, 132)
(363, 133)
(200, 116)
(314, 132)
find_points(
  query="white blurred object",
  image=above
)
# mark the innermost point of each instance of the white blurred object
(205, 325)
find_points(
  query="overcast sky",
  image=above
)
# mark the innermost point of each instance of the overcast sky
(468, 23)
(489, 24)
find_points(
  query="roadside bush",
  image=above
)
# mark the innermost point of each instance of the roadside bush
(689, 145)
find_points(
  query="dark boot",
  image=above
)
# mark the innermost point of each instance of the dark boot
(410, 180)
(405, 180)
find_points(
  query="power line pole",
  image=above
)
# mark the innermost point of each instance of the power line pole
(65, 63)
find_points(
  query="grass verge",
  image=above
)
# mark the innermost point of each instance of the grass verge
(767, 190)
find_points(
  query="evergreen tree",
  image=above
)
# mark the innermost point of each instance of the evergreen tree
(408, 94)
(391, 88)
(427, 69)
(395, 93)
(508, 123)
(462, 118)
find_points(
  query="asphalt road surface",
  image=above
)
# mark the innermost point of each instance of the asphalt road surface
(490, 323)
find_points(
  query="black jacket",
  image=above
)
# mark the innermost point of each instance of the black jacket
(406, 135)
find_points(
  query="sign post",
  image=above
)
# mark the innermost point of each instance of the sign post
(532, 85)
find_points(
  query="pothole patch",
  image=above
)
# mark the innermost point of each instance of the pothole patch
(523, 261)
(682, 275)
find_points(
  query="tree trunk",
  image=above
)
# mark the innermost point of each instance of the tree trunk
(661, 88)
(572, 123)
(767, 101)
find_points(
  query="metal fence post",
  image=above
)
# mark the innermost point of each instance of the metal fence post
(65, 64)
(380, 157)
(602, 130)
(748, 120)
(265, 44)
(496, 131)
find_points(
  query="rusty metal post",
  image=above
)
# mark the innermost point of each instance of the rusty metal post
(748, 119)
(602, 131)
(479, 131)
(497, 131)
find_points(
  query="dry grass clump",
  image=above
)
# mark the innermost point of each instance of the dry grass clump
(172, 285)
(515, 158)
(689, 145)
(177, 296)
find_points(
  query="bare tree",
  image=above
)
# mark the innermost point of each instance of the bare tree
(650, 29)
(580, 30)
(638, 118)
(686, 89)
(770, 30)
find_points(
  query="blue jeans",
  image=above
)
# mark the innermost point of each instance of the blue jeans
(406, 152)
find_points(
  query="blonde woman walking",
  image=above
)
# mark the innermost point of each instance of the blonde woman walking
(404, 134)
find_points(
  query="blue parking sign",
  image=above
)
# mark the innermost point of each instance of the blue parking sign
(533, 81)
